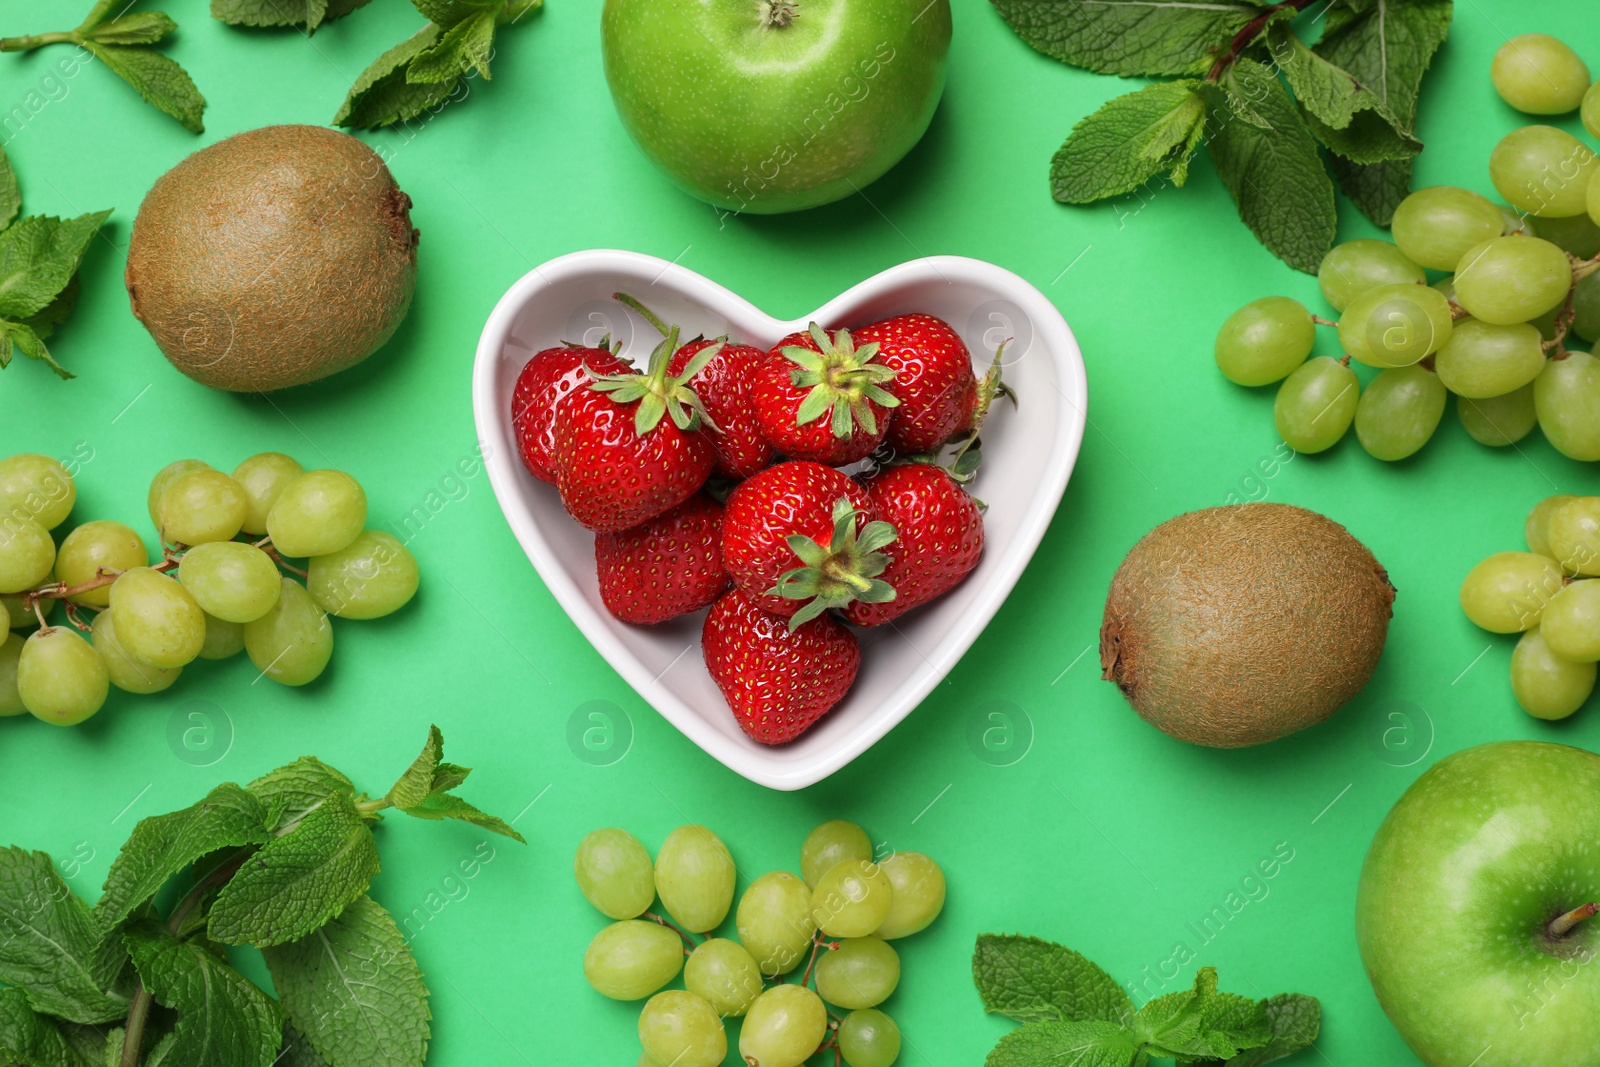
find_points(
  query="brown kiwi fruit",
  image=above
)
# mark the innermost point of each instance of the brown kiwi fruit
(273, 258)
(1237, 625)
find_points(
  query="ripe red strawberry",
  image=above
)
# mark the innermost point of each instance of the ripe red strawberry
(940, 538)
(799, 538)
(777, 682)
(666, 567)
(545, 382)
(933, 379)
(630, 446)
(723, 386)
(821, 397)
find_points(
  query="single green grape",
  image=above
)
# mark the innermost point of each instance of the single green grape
(774, 921)
(262, 477)
(1548, 686)
(1350, 269)
(1570, 623)
(199, 507)
(1536, 529)
(869, 1038)
(1576, 234)
(158, 621)
(1264, 340)
(224, 640)
(1567, 397)
(1543, 171)
(1396, 325)
(682, 1029)
(94, 547)
(35, 487)
(1590, 111)
(1512, 279)
(60, 678)
(1586, 307)
(830, 844)
(614, 872)
(852, 899)
(373, 575)
(164, 478)
(1498, 421)
(293, 641)
(694, 876)
(1538, 74)
(1399, 412)
(1574, 533)
(631, 959)
(918, 894)
(317, 513)
(125, 672)
(725, 974)
(860, 973)
(235, 581)
(783, 1027)
(27, 553)
(1436, 225)
(11, 703)
(1506, 592)
(1316, 404)
(1483, 360)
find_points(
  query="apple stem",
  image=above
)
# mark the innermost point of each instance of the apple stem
(780, 13)
(1562, 925)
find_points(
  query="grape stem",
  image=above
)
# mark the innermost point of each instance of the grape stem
(280, 561)
(689, 942)
(1320, 321)
(1249, 33)
(1563, 324)
(101, 579)
(817, 942)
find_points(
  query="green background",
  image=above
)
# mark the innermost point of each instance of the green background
(1104, 835)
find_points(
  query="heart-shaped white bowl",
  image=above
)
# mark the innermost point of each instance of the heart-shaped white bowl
(1029, 452)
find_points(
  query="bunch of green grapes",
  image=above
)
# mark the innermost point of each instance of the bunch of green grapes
(1551, 597)
(837, 918)
(218, 588)
(1522, 282)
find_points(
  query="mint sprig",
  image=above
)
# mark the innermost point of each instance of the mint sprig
(123, 41)
(1354, 94)
(1074, 1012)
(282, 864)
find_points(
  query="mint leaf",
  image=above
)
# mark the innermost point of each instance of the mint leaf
(297, 1051)
(447, 776)
(1086, 1043)
(298, 881)
(464, 46)
(1295, 1021)
(307, 13)
(449, 806)
(382, 96)
(158, 79)
(291, 791)
(49, 945)
(1341, 112)
(25, 1038)
(38, 257)
(222, 1017)
(1375, 188)
(10, 194)
(139, 27)
(98, 13)
(1033, 980)
(55, 313)
(413, 787)
(23, 338)
(163, 845)
(449, 12)
(1127, 142)
(1129, 36)
(1200, 1022)
(93, 1046)
(354, 991)
(1276, 177)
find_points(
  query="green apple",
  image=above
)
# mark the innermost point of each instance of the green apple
(775, 105)
(1475, 911)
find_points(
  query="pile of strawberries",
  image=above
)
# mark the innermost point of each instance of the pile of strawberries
(711, 479)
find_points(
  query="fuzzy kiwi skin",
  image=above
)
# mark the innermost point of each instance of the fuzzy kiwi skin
(1238, 625)
(273, 258)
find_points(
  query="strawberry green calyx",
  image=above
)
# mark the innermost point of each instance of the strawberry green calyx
(845, 571)
(659, 393)
(842, 379)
